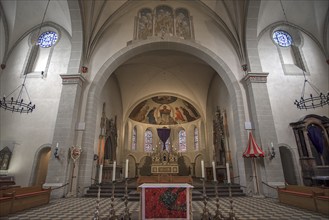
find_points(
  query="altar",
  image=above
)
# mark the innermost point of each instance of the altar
(166, 201)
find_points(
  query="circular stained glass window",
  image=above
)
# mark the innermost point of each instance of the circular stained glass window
(47, 39)
(282, 38)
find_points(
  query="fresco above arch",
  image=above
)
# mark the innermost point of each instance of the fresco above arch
(164, 110)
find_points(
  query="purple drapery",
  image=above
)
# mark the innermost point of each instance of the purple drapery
(315, 134)
(163, 134)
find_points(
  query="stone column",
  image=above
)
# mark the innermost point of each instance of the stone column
(64, 134)
(269, 171)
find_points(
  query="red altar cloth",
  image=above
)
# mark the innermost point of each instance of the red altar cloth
(166, 201)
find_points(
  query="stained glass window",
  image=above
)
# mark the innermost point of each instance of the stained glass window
(282, 38)
(182, 140)
(148, 141)
(134, 139)
(47, 39)
(196, 139)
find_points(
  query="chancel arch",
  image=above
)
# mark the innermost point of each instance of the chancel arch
(136, 49)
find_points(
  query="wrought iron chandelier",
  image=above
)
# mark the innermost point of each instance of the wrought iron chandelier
(319, 100)
(18, 104)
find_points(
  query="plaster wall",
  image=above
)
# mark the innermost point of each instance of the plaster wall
(207, 34)
(284, 89)
(30, 131)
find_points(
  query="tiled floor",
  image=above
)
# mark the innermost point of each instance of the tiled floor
(244, 207)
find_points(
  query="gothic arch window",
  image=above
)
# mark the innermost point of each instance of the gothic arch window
(148, 140)
(182, 140)
(289, 44)
(134, 139)
(41, 48)
(196, 138)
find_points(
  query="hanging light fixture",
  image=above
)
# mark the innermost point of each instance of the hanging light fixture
(18, 104)
(314, 101)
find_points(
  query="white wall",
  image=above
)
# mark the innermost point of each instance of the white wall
(30, 131)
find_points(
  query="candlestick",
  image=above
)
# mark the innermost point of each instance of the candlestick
(113, 173)
(228, 173)
(100, 173)
(202, 168)
(126, 171)
(214, 170)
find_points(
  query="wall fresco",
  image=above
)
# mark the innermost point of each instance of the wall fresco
(164, 110)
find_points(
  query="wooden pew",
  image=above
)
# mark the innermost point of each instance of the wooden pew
(24, 198)
(322, 202)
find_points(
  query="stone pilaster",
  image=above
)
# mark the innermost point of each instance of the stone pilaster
(64, 134)
(270, 171)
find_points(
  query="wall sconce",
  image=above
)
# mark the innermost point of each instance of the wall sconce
(271, 153)
(56, 154)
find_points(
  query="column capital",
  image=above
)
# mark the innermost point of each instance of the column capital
(72, 79)
(256, 78)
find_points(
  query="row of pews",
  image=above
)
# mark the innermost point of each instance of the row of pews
(14, 198)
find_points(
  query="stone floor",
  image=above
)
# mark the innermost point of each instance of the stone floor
(244, 208)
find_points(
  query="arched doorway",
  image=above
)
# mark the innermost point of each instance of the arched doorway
(288, 166)
(41, 166)
(131, 167)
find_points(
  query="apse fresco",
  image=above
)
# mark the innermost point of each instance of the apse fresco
(164, 110)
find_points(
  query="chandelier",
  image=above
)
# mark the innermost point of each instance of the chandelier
(313, 101)
(18, 104)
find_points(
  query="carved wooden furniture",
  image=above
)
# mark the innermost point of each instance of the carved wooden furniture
(311, 198)
(17, 199)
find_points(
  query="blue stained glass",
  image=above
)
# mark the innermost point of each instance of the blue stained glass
(282, 38)
(47, 39)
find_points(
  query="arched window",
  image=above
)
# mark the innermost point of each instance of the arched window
(40, 52)
(134, 139)
(182, 140)
(289, 43)
(148, 140)
(196, 138)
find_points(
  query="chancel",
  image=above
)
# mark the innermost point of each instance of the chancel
(202, 109)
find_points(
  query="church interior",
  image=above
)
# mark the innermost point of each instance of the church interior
(164, 109)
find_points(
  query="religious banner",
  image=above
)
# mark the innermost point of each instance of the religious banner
(75, 152)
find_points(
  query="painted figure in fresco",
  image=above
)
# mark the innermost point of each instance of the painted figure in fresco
(182, 26)
(165, 115)
(142, 113)
(178, 115)
(187, 114)
(145, 25)
(164, 22)
(151, 117)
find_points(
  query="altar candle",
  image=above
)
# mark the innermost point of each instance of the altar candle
(127, 163)
(100, 173)
(214, 170)
(228, 173)
(113, 173)
(57, 145)
(202, 168)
